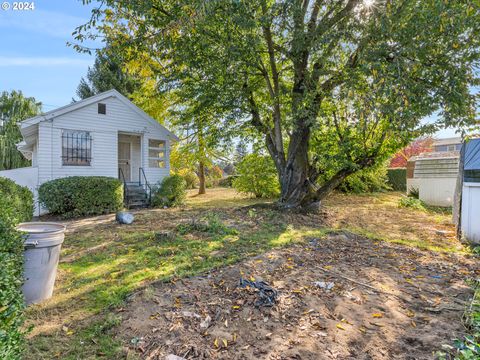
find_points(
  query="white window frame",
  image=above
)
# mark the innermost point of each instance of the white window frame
(156, 159)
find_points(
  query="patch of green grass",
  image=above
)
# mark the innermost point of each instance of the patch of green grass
(418, 243)
(417, 204)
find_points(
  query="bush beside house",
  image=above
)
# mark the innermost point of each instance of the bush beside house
(16, 205)
(171, 192)
(81, 196)
(397, 178)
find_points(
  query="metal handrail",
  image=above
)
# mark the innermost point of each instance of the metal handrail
(121, 175)
(141, 173)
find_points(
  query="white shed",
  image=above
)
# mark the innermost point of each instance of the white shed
(470, 202)
(104, 135)
(435, 177)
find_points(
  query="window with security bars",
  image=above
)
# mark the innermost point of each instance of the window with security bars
(76, 148)
(156, 153)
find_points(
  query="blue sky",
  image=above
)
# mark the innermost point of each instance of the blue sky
(34, 57)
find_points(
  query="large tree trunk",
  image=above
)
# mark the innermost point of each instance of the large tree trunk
(294, 177)
(297, 180)
(201, 178)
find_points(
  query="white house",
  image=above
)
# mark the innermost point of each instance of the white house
(104, 135)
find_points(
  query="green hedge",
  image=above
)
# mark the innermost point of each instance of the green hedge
(20, 198)
(397, 178)
(171, 192)
(16, 205)
(81, 196)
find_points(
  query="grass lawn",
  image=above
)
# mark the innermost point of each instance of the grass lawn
(102, 263)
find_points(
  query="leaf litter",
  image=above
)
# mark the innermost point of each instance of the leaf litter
(370, 313)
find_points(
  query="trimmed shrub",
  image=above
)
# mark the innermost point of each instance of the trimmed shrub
(19, 197)
(16, 205)
(257, 175)
(397, 178)
(366, 181)
(171, 192)
(82, 196)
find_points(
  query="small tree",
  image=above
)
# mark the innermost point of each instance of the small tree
(257, 176)
(415, 148)
(107, 73)
(14, 107)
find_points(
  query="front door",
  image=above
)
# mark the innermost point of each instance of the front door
(124, 159)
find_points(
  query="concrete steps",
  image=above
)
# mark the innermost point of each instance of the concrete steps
(136, 196)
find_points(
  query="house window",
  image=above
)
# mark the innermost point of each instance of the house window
(76, 148)
(102, 108)
(156, 153)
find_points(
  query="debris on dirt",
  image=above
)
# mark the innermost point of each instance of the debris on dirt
(123, 217)
(191, 314)
(327, 286)
(206, 323)
(377, 321)
(267, 296)
(174, 357)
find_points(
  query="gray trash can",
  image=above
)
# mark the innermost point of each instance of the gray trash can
(43, 241)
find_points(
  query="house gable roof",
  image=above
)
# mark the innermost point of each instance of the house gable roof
(92, 100)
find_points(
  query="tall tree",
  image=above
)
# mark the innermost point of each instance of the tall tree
(14, 107)
(108, 72)
(333, 86)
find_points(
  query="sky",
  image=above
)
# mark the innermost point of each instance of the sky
(35, 58)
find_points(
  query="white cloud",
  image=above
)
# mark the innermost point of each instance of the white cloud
(43, 61)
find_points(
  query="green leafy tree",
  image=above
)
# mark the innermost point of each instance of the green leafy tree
(14, 107)
(108, 72)
(333, 87)
(256, 174)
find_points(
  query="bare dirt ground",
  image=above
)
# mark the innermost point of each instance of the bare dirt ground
(388, 302)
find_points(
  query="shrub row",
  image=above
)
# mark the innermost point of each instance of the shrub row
(81, 196)
(397, 178)
(16, 205)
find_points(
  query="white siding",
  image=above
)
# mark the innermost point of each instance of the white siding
(470, 212)
(104, 130)
(437, 191)
(436, 179)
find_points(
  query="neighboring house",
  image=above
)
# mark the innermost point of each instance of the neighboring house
(447, 144)
(104, 135)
